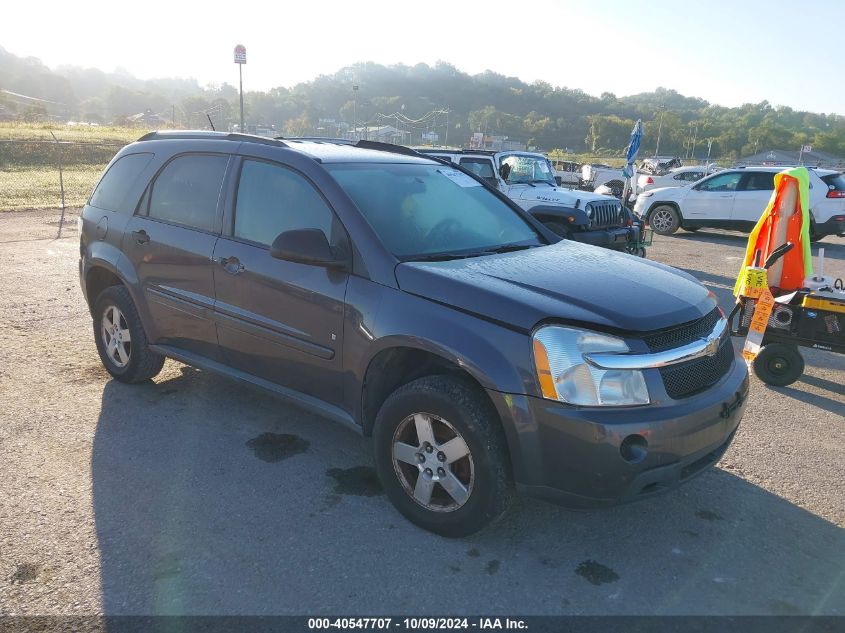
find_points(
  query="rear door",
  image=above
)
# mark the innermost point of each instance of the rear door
(712, 198)
(170, 242)
(752, 196)
(279, 320)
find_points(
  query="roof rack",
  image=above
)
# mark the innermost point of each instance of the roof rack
(435, 150)
(315, 139)
(388, 147)
(206, 134)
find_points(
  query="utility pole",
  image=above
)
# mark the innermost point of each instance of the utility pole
(661, 108)
(240, 60)
(446, 140)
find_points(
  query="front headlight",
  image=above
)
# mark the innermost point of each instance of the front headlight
(565, 375)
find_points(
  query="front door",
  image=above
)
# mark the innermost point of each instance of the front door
(170, 242)
(713, 198)
(279, 320)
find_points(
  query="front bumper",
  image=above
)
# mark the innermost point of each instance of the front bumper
(571, 455)
(608, 238)
(833, 226)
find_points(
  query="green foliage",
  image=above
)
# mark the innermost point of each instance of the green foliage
(538, 113)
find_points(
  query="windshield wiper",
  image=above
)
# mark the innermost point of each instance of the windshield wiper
(508, 248)
(443, 257)
(545, 182)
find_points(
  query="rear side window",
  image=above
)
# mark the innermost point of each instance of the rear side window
(273, 199)
(759, 181)
(117, 181)
(834, 182)
(479, 166)
(187, 190)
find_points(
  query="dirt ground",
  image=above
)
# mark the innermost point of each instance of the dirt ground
(196, 495)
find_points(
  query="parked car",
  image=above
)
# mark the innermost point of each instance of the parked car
(526, 178)
(735, 199)
(659, 165)
(567, 173)
(678, 177)
(596, 175)
(405, 299)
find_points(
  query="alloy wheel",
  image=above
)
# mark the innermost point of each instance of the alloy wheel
(433, 462)
(117, 340)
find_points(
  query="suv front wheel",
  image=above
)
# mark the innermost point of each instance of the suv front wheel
(664, 219)
(441, 456)
(121, 341)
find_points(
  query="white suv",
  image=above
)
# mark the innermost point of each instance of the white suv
(735, 199)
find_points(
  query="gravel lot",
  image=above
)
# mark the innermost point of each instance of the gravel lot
(196, 495)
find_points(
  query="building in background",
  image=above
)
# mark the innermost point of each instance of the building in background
(809, 158)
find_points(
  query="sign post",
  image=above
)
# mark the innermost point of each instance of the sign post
(240, 60)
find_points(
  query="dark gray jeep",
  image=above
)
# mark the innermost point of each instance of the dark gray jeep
(398, 295)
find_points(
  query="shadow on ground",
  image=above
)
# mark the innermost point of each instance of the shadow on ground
(834, 247)
(213, 498)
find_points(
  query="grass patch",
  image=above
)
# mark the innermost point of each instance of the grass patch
(38, 187)
(13, 130)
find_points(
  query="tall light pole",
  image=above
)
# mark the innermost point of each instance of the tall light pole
(355, 110)
(240, 60)
(662, 108)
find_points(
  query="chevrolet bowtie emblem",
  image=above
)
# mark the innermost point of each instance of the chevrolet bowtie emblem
(712, 346)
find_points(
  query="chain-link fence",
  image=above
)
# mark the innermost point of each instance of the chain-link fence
(53, 176)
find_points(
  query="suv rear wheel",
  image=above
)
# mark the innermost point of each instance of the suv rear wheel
(121, 341)
(441, 456)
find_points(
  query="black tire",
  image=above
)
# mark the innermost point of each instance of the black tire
(473, 417)
(667, 218)
(779, 364)
(142, 363)
(559, 229)
(617, 188)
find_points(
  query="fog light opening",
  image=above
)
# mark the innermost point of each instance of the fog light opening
(634, 449)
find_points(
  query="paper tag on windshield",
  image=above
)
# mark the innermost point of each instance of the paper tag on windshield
(459, 178)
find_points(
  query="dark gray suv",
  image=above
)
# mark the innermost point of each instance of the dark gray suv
(400, 296)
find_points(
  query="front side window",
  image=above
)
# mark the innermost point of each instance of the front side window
(187, 190)
(274, 199)
(117, 181)
(423, 210)
(722, 182)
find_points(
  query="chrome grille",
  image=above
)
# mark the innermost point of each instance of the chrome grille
(682, 334)
(687, 379)
(605, 214)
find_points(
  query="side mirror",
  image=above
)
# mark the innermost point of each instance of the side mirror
(504, 171)
(306, 246)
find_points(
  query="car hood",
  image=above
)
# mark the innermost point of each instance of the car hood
(669, 192)
(567, 281)
(559, 195)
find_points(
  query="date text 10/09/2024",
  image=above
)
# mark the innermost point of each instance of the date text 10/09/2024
(417, 623)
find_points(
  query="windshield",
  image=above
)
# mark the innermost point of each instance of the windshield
(527, 169)
(423, 210)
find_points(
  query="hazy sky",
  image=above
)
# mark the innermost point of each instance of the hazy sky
(726, 51)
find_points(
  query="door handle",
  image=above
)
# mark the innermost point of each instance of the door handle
(141, 236)
(231, 265)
